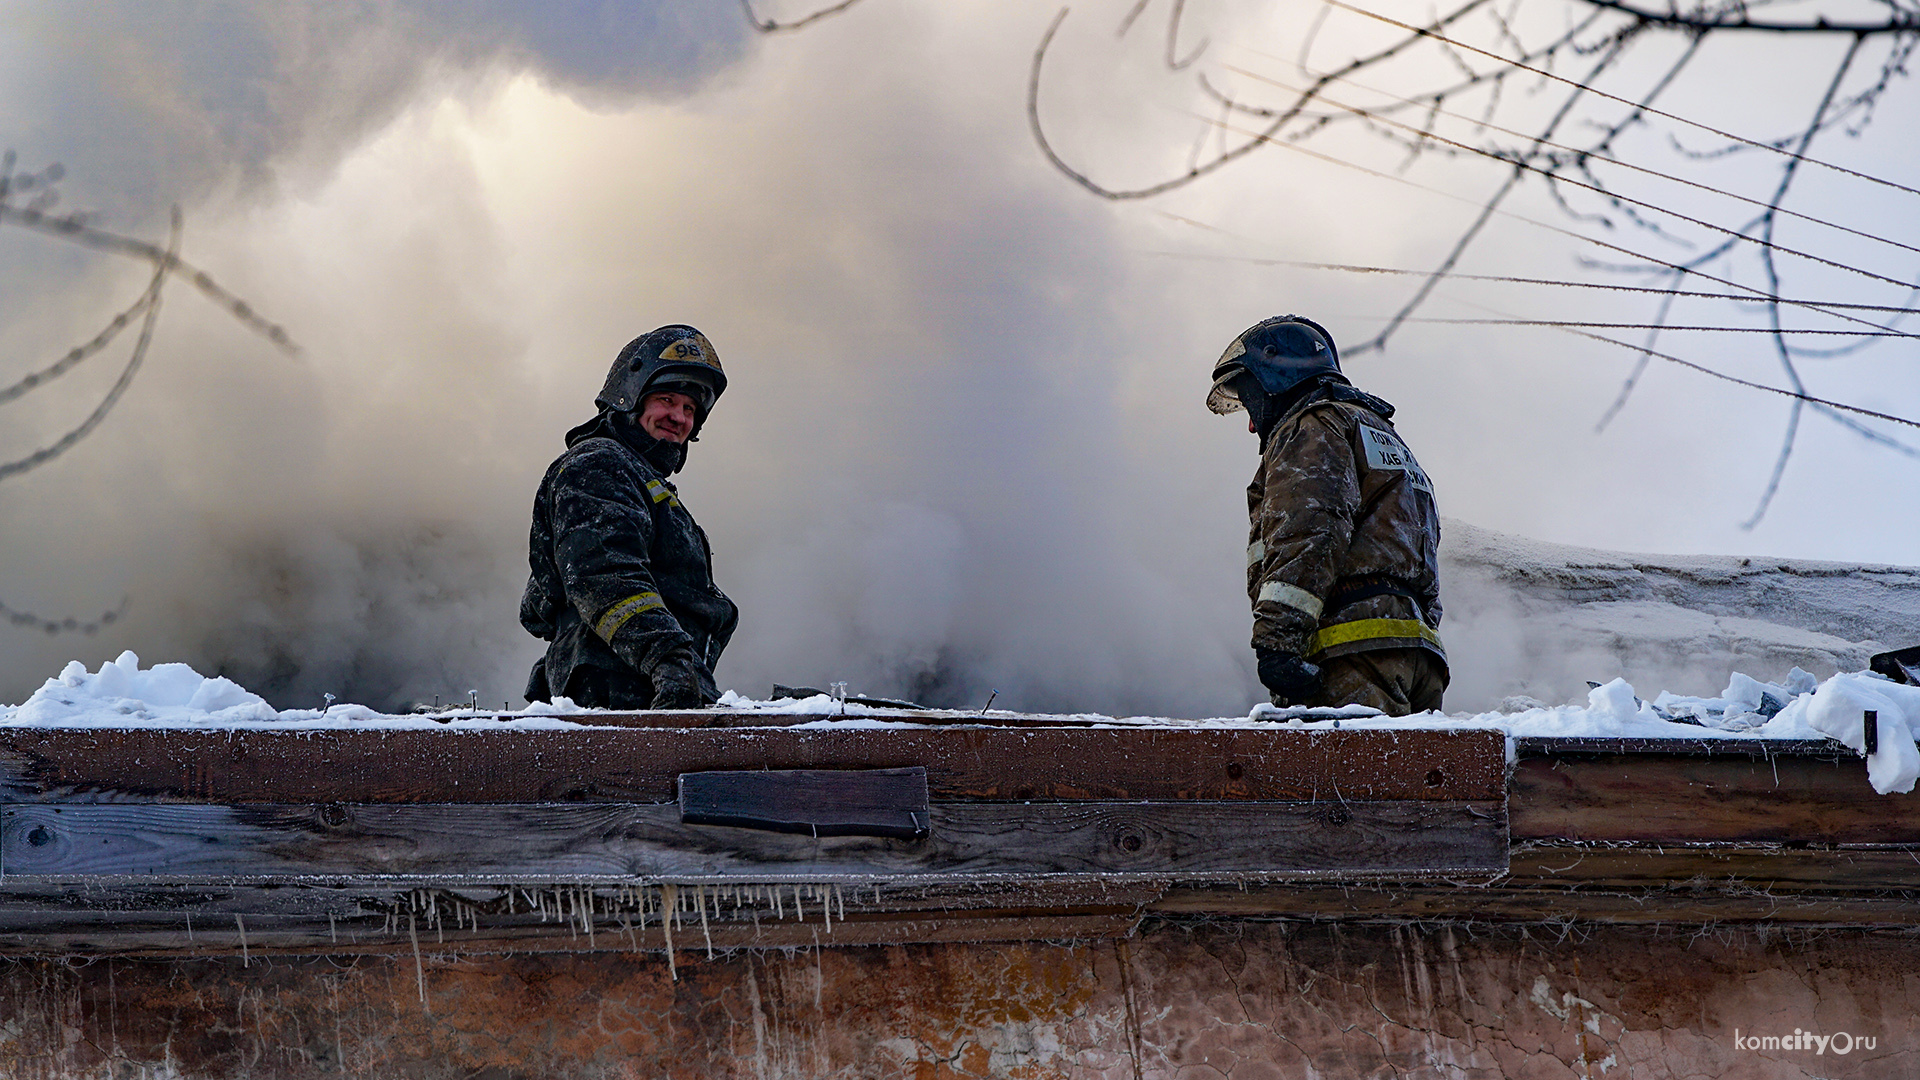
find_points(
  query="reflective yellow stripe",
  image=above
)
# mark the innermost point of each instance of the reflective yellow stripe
(1368, 629)
(1279, 592)
(660, 492)
(617, 615)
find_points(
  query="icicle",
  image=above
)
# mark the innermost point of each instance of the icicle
(779, 909)
(587, 913)
(333, 931)
(242, 924)
(704, 932)
(799, 912)
(670, 902)
(419, 972)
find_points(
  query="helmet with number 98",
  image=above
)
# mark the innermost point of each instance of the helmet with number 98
(674, 358)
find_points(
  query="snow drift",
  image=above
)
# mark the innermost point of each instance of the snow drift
(123, 694)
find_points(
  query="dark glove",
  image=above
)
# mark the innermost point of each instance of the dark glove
(1292, 679)
(676, 682)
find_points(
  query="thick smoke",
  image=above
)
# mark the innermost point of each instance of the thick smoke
(963, 449)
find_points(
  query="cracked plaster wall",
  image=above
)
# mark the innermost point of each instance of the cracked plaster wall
(1252, 1001)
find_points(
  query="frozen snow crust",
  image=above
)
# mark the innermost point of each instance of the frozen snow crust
(122, 694)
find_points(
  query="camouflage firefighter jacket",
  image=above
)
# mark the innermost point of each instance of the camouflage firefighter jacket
(622, 575)
(1343, 554)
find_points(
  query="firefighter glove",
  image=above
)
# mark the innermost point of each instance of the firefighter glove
(676, 682)
(1292, 680)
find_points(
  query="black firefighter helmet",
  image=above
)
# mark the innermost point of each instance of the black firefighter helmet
(1278, 353)
(675, 357)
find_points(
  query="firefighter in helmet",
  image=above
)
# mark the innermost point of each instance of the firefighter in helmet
(1343, 553)
(622, 584)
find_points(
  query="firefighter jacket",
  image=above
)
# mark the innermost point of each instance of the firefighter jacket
(1343, 554)
(622, 575)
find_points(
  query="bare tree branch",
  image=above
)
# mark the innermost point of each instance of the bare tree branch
(769, 26)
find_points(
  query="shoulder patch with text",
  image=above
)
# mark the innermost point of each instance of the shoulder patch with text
(1386, 451)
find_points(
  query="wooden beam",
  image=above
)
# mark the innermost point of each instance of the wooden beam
(1736, 867)
(639, 765)
(1650, 883)
(1399, 902)
(269, 936)
(1674, 798)
(456, 844)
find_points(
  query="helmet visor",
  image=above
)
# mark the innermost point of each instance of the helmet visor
(1224, 398)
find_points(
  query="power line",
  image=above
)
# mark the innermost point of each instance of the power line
(1557, 178)
(1798, 395)
(1437, 36)
(1586, 155)
(1675, 267)
(1651, 326)
(1762, 297)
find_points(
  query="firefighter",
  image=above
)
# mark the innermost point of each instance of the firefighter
(1343, 553)
(622, 584)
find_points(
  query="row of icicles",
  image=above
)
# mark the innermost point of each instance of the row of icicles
(582, 907)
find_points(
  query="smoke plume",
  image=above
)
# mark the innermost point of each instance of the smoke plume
(963, 449)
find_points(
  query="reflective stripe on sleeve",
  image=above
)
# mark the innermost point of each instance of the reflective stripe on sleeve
(1367, 629)
(661, 493)
(617, 615)
(1256, 551)
(1279, 592)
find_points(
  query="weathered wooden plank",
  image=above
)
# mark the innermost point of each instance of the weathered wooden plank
(463, 843)
(637, 765)
(269, 936)
(1723, 798)
(1570, 746)
(1733, 867)
(343, 905)
(811, 802)
(1399, 903)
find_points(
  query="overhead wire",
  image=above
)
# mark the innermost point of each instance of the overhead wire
(1800, 395)
(1509, 278)
(1650, 259)
(1437, 36)
(1831, 408)
(1586, 155)
(1653, 326)
(1558, 178)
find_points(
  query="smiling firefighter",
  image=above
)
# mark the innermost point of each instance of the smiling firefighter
(622, 584)
(1343, 552)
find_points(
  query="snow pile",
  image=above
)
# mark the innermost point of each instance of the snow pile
(121, 689)
(122, 694)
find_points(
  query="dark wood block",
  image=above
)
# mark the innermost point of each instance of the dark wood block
(812, 802)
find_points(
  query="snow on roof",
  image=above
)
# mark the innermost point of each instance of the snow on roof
(122, 694)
